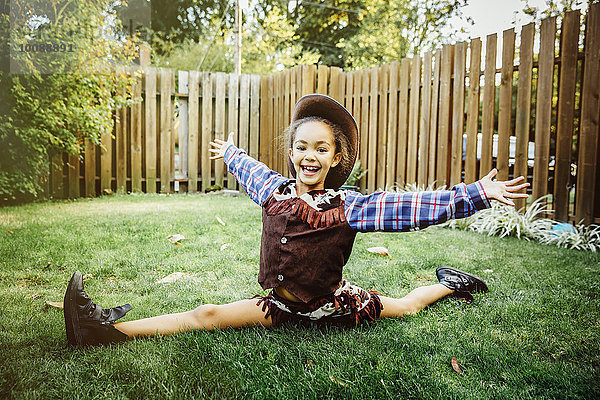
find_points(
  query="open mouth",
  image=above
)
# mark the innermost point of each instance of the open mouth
(309, 170)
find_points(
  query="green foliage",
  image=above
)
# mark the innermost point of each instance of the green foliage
(355, 175)
(390, 31)
(54, 101)
(277, 34)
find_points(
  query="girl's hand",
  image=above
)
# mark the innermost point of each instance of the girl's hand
(219, 146)
(503, 191)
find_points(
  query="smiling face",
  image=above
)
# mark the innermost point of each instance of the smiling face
(313, 153)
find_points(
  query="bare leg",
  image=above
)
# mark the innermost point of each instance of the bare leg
(413, 302)
(207, 317)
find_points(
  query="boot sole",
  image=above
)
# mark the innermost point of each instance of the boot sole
(481, 286)
(70, 308)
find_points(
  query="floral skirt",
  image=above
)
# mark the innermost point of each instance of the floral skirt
(347, 307)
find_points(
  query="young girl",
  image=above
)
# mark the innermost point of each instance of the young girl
(309, 226)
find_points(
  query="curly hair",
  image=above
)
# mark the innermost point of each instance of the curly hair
(342, 144)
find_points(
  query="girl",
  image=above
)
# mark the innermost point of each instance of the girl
(309, 226)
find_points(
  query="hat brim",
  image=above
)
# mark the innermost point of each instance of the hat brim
(319, 105)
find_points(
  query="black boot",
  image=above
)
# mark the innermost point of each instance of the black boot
(460, 281)
(86, 322)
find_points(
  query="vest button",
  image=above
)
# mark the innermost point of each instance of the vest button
(284, 240)
(280, 277)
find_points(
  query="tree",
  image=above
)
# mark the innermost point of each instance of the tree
(53, 99)
(369, 32)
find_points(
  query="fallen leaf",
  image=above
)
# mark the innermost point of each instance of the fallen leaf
(382, 251)
(220, 221)
(455, 365)
(47, 265)
(172, 277)
(226, 245)
(337, 381)
(175, 238)
(55, 304)
(9, 231)
(308, 363)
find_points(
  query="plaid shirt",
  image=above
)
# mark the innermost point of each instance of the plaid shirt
(379, 211)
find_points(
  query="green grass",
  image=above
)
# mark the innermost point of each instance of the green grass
(536, 334)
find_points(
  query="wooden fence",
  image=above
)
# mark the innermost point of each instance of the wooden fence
(437, 118)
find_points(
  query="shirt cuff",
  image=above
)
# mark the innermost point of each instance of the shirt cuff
(478, 196)
(230, 152)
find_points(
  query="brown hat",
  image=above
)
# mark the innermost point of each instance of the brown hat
(319, 105)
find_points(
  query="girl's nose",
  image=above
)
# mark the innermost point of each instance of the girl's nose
(310, 155)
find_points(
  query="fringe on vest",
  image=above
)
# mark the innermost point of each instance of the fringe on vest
(301, 209)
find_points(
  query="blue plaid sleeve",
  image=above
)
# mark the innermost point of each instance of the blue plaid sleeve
(258, 180)
(385, 211)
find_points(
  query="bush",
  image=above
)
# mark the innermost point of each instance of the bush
(57, 101)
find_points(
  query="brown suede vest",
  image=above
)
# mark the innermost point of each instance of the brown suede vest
(304, 247)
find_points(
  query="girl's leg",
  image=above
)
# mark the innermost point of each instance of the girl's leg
(207, 317)
(413, 302)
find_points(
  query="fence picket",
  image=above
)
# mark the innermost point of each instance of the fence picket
(473, 112)
(150, 133)
(364, 124)
(384, 77)
(193, 118)
(219, 132)
(566, 113)
(505, 102)
(165, 130)
(206, 128)
(233, 107)
(543, 111)
(489, 104)
(322, 79)
(413, 121)
(392, 127)
(403, 122)
(89, 179)
(458, 113)
(136, 137)
(372, 142)
(255, 86)
(445, 101)
(121, 145)
(523, 104)
(588, 198)
(73, 167)
(433, 124)
(425, 121)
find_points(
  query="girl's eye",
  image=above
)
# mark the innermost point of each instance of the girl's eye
(322, 150)
(300, 148)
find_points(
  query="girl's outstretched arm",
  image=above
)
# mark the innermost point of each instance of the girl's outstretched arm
(256, 178)
(385, 211)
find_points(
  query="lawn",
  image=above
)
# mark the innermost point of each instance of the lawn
(536, 334)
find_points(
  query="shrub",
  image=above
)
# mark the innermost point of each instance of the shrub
(55, 101)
